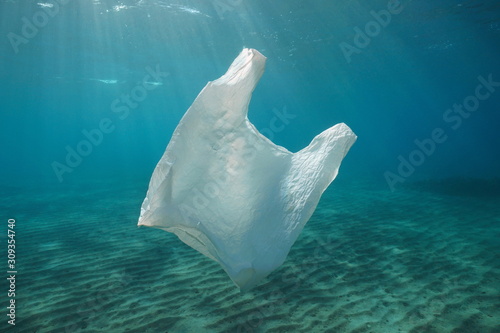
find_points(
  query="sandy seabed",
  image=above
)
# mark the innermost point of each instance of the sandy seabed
(368, 261)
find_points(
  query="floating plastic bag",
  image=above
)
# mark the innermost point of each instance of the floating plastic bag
(227, 191)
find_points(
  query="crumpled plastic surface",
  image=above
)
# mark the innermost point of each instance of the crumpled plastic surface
(227, 191)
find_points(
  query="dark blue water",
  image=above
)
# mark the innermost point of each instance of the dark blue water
(91, 92)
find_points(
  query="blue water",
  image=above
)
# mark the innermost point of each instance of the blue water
(394, 91)
(68, 129)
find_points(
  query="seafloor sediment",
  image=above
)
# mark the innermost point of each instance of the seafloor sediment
(368, 261)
